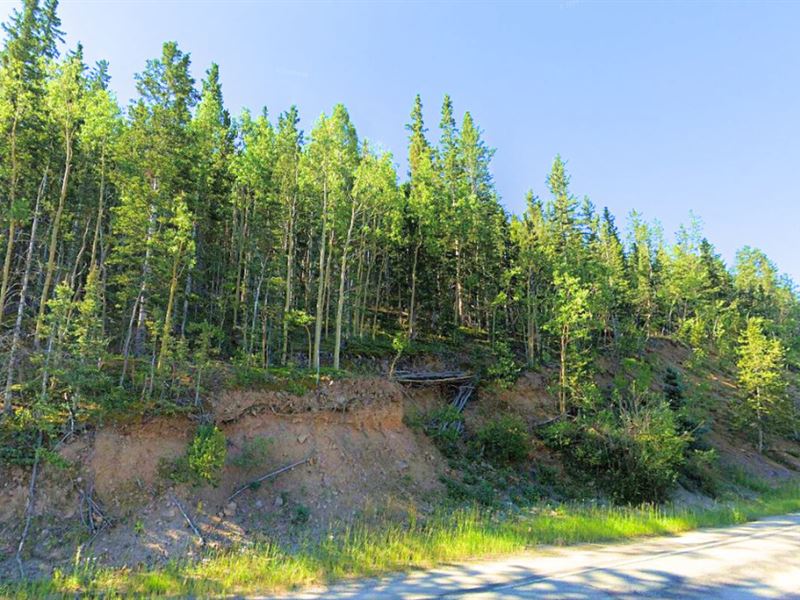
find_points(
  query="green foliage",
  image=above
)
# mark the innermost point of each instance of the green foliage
(372, 549)
(401, 342)
(674, 390)
(634, 457)
(503, 368)
(442, 425)
(760, 368)
(701, 471)
(471, 490)
(504, 440)
(206, 455)
(203, 461)
(18, 439)
(301, 515)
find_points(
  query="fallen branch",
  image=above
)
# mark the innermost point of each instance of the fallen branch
(431, 377)
(189, 521)
(547, 422)
(29, 507)
(93, 510)
(267, 476)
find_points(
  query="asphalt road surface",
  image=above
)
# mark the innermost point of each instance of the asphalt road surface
(756, 560)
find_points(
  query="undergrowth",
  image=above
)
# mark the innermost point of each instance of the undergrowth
(369, 551)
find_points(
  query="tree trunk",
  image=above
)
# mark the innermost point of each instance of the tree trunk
(562, 392)
(459, 307)
(51, 254)
(12, 224)
(136, 328)
(166, 334)
(17, 334)
(321, 285)
(288, 294)
(342, 279)
(100, 208)
(412, 304)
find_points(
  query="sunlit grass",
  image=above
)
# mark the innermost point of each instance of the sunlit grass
(368, 551)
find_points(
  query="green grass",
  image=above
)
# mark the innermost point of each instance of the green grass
(369, 551)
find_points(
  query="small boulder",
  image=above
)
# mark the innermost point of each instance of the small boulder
(230, 509)
(279, 501)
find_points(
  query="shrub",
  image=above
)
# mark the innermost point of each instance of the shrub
(504, 440)
(504, 369)
(18, 439)
(206, 455)
(475, 490)
(301, 515)
(443, 426)
(674, 390)
(633, 457)
(701, 472)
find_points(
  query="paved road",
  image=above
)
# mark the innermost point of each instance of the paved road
(756, 560)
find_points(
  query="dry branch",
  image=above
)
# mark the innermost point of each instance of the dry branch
(267, 476)
(29, 507)
(191, 523)
(432, 377)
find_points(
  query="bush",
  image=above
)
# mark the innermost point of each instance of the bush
(504, 369)
(701, 472)
(504, 440)
(301, 515)
(206, 455)
(674, 390)
(633, 457)
(18, 439)
(443, 425)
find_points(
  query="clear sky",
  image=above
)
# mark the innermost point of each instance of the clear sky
(663, 107)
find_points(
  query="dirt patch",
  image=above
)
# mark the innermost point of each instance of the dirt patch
(332, 395)
(124, 462)
(527, 398)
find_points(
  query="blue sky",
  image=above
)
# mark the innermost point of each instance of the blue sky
(663, 107)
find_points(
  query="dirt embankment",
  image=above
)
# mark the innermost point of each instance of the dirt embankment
(363, 461)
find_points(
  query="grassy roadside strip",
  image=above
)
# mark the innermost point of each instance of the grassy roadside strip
(361, 551)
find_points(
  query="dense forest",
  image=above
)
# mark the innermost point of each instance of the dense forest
(144, 246)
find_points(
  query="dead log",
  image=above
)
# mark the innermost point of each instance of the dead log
(431, 377)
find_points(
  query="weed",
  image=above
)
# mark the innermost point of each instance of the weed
(301, 515)
(254, 453)
(504, 440)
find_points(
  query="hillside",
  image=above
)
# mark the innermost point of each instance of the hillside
(203, 317)
(372, 461)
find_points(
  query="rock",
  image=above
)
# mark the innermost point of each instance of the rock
(302, 438)
(279, 501)
(402, 465)
(259, 504)
(230, 509)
